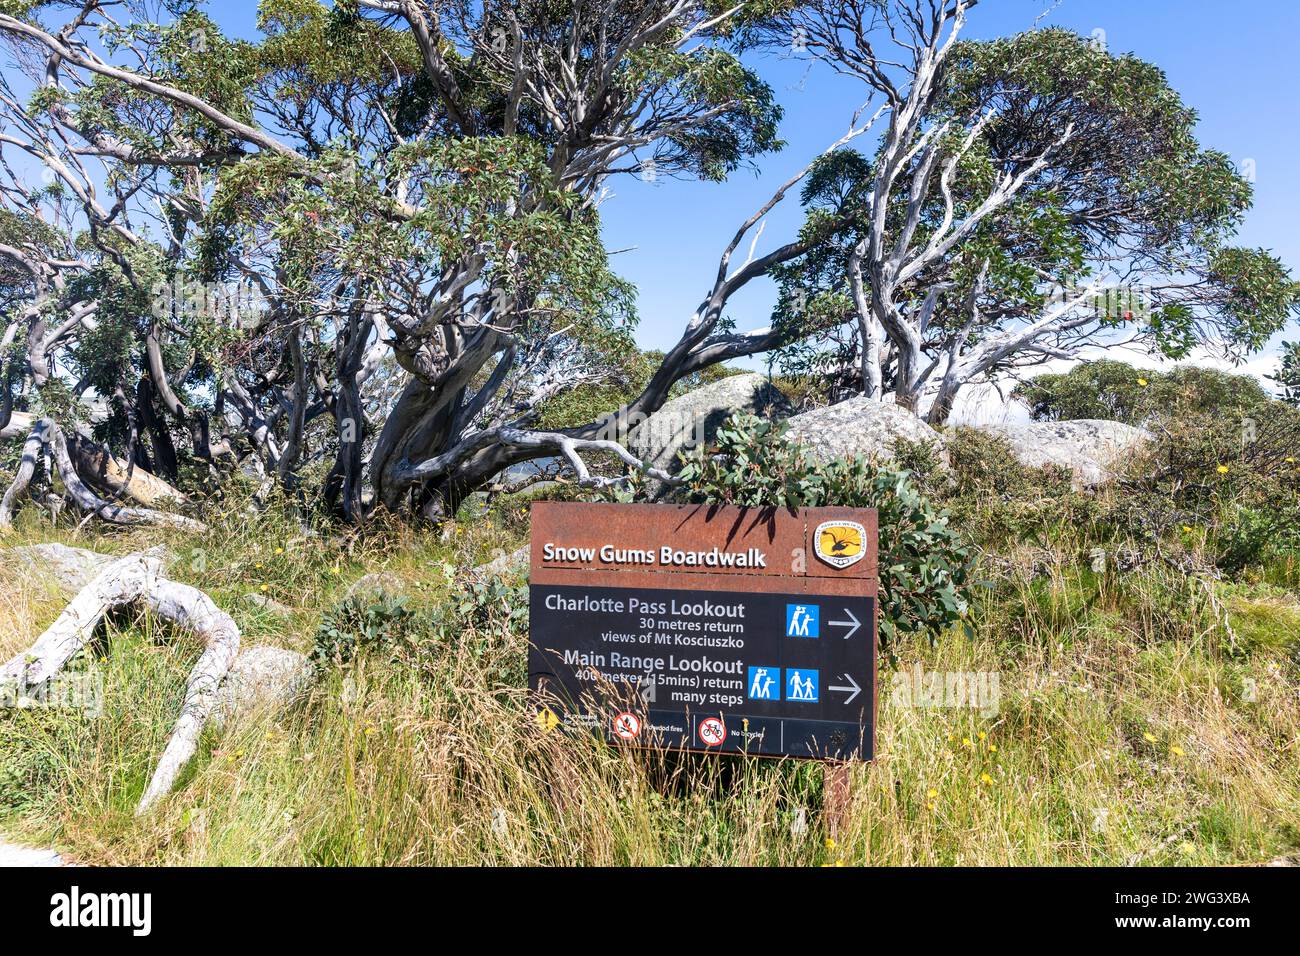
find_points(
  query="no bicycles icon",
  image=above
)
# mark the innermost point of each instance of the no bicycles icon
(712, 732)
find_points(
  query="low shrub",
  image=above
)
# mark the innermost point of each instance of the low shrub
(486, 619)
(924, 564)
(993, 498)
(360, 624)
(1232, 480)
(1120, 392)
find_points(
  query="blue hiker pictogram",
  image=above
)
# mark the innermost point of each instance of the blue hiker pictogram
(801, 684)
(802, 620)
(765, 683)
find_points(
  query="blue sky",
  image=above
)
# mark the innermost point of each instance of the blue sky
(1236, 64)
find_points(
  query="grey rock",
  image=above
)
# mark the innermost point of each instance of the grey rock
(262, 676)
(11, 854)
(695, 417)
(375, 583)
(267, 603)
(859, 427)
(67, 569)
(505, 565)
(1091, 449)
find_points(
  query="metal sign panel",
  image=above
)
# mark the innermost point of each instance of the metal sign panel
(722, 629)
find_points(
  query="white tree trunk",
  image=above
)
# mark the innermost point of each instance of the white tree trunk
(138, 578)
(26, 469)
(93, 459)
(870, 331)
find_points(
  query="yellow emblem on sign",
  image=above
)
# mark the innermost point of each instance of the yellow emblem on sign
(546, 719)
(840, 543)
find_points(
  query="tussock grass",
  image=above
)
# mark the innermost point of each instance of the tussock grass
(1131, 728)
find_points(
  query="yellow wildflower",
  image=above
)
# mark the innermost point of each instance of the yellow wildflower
(1149, 737)
(1142, 382)
(1223, 469)
(830, 843)
(1177, 751)
(985, 778)
(932, 793)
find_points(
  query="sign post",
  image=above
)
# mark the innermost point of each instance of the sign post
(708, 628)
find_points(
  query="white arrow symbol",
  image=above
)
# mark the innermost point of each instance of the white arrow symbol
(852, 690)
(852, 624)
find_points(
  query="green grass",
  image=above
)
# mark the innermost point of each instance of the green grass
(1131, 728)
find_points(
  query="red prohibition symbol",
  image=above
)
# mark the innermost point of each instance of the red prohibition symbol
(712, 732)
(627, 725)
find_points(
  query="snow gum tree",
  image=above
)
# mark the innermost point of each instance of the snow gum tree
(1032, 195)
(359, 255)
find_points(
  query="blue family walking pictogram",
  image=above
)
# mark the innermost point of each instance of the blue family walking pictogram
(801, 684)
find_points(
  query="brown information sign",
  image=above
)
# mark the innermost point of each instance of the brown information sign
(744, 630)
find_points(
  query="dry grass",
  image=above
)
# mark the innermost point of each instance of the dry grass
(1128, 730)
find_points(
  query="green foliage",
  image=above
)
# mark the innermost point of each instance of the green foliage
(998, 502)
(20, 9)
(924, 564)
(1119, 392)
(1139, 133)
(1258, 292)
(1229, 481)
(310, 45)
(1287, 375)
(712, 148)
(24, 770)
(473, 618)
(1121, 168)
(361, 624)
(630, 372)
(340, 223)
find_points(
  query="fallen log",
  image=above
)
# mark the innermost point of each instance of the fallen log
(97, 464)
(48, 437)
(131, 580)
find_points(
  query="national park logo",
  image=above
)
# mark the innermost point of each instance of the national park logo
(839, 543)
